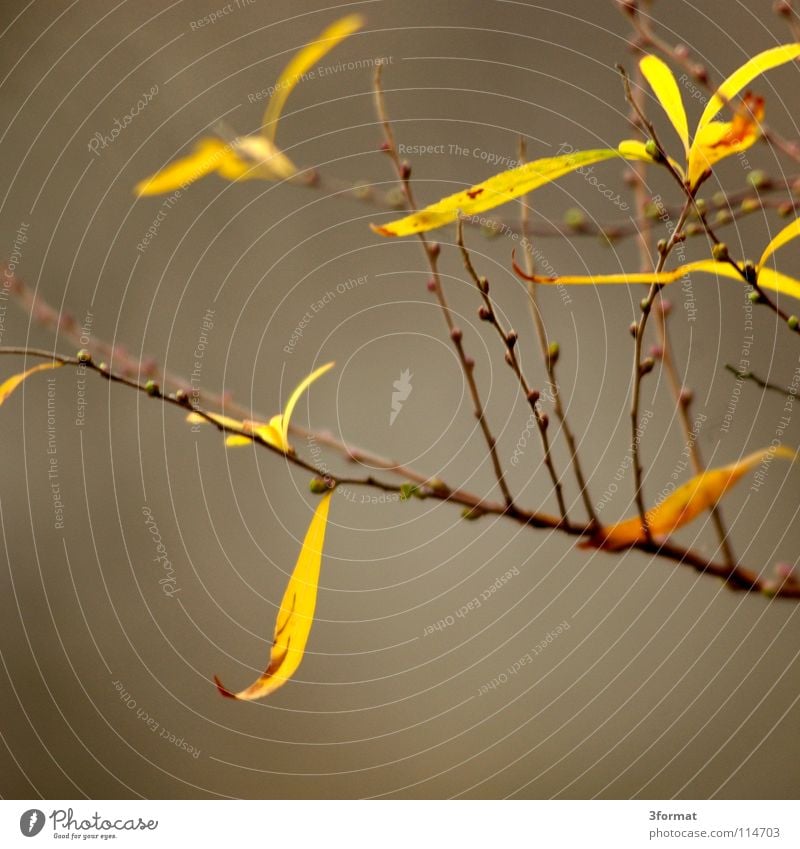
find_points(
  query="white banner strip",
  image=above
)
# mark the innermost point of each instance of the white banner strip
(403, 824)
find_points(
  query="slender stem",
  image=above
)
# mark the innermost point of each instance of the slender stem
(759, 381)
(638, 373)
(431, 251)
(681, 398)
(548, 360)
(509, 339)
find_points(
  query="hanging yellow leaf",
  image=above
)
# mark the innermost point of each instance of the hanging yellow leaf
(685, 504)
(296, 614)
(8, 386)
(493, 192)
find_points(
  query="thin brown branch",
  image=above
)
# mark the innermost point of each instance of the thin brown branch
(759, 381)
(549, 360)
(508, 337)
(736, 577)
(680, 395)
(432, 250)
(639, 371)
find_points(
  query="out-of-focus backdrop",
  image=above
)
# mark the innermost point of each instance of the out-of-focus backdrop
(576, 674)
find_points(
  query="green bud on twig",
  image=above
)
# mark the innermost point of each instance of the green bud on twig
(318, 486)
(720, 252)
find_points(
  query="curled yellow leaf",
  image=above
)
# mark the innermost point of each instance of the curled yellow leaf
(686, 503)
(301, 63)
(493, 192)
(276, 431)
(8, 386)
(296, 614)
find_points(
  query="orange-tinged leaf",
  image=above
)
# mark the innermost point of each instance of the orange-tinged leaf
(8, 386)
(665, 88)
(301, 63)
(720, 139)
(686, 503)
(743, 76)
(493, 192)
(296, 614)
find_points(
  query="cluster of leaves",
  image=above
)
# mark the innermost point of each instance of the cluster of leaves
(259, 157)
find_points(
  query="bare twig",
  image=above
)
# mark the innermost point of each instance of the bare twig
(508, 337)
(736, 577)
(759, 381)
(432, 250)
(547, 358)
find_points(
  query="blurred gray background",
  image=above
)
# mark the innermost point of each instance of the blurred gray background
(664, 684)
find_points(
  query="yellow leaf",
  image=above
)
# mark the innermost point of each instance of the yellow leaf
(791, 231)
(665, 88)
(633, 149)
(295, 616)
(224, 421)
(209, 155)
(720, 139)
(300, 64)
(266, 160)
(686, 503)
(493, 192)
(267, 432)
(777, 282)
(705, 266)
(742, 77)
(8, 386)
(281, 422)
(276, 431)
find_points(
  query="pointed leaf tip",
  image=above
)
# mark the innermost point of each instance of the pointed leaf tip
(9, 385)
(296, 614)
